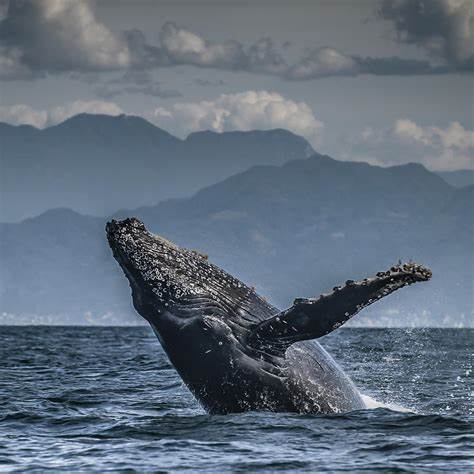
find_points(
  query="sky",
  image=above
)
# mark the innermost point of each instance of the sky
(382, 81)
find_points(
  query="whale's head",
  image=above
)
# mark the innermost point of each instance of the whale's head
(197, 310)
(165, 278)
(158, 271)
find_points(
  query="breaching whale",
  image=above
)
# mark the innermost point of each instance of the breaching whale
(234, 350)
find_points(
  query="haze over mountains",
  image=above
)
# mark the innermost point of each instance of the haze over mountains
(458, 178)
(96, 164)
(292, 230)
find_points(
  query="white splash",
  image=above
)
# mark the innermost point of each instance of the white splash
(371, 403)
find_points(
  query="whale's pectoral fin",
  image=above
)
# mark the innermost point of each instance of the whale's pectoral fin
(315, 317)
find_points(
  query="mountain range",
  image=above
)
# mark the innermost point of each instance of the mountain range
(96, 164)
(291, 230)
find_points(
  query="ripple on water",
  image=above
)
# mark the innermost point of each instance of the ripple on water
(107, 398)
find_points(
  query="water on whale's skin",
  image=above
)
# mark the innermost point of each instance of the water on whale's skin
(83, 399)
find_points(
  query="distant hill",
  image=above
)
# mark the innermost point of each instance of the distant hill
(459, 178)
(96, 164)
(291, 230)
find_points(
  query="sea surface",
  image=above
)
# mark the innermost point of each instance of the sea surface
(97, 399)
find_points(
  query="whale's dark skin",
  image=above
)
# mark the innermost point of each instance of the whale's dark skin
(234, 350)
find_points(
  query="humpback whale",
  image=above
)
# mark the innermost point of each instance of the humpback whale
(234, 350)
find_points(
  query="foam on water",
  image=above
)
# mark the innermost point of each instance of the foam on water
(372, 404)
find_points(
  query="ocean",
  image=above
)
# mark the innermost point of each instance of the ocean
(97, 399)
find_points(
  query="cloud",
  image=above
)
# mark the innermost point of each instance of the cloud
(55, 36)
(264, 57)
(455, 136)
(406, 141)
(11, 66)
(182, 46)
(444, 28)
(323, 62)
(248, 110)
(24, 114)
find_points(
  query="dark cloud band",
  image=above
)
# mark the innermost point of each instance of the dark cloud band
(51, 36)
(444, 28)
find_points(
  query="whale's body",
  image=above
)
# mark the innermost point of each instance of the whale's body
(234, 350)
